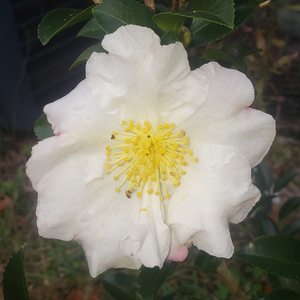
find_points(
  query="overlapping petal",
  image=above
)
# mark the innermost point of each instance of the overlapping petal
(140, 79)
(217, 191)
(225, 117)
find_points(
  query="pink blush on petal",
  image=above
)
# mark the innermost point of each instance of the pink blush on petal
(178, 253)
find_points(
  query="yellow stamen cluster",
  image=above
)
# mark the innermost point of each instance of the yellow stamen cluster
(148, 159)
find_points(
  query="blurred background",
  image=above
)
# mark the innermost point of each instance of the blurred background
(32, 75)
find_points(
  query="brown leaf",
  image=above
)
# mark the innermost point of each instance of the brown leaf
(5, 202)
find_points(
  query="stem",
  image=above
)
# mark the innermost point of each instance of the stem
(150, 4)
(175, 6)
(230, 282)
(97, 1)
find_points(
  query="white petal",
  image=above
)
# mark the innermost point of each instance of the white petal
(77, 201)
(216, 191)
(141, 80)
(149, 241)
(225, 117)
(77, 114)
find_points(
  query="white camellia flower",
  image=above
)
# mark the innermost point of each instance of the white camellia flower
(148, 156)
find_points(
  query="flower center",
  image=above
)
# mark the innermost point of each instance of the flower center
(147, 159)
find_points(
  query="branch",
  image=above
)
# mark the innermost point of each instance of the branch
(230, 282)
(175, 6)
(97, 1)
(150, 4)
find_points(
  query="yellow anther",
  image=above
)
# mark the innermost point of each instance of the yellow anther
(119, 164)
(147, 124)
(123, 123)
(171, 163)
(163, 172)
(108, 159)
(138, 126)
(130, 127)
(126, 150)
(107, 148)
(168, 134)
(153, 178)
(139, 195)
(134, 173)
(137, 184)
(177, 177)
(168, 196)
(172, 125)
(117, 190)
(108, 153)
(130, 122)
(134, 168)
(195, 159)
(186, 143)
(126, 129)
(175, 155)
(116, 177)
(128, 178)
(128, 141)
(183, 151)
(182, 162)
(150, 191)
(128, 173)
(166, 125)
(177, 184)
(135, 143)
(108, 166)
(125, 159)
(138, 137)
(156, 193)
(182, 173)
(106, 172)
(161, 198)
(191, 152)
(181, 134)
(144, 179)
(139, 162)
(132, 180)
(160, 127)
(164, 178)
(185, 164)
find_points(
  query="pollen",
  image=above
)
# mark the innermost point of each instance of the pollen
(147, 159)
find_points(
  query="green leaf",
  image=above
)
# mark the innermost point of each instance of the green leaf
(85, 55)
(291, 229)
(169, 21)
(274, 281)
(288, 207)
(196, 61)
(205, 32)
(42, 128)
(92, 30)
(14, 281)
(151, 279)
(282, 294)
(278, 255)
(169, 38)
(284, 180)
(215, 54)
(263, 177)
(239, 49)
(206, 262)
(112, 14)
(119, 285)
(59, 19)
(265, 225)
(217, 11)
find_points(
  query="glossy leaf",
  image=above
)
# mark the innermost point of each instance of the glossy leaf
(284, 180)
(59, 19)
(239, 49)
(112, 14)
(196, 61)
(215, 54)
(169, 38)
(262, 177)
(151, 279)
(217, 11)
(14, 281)
(42, 128)
(85, 55)
(119, 285)
(278, 255)
(92, 30)
(288, 207)
(264, 201)
(206, 262)
(265, 225)
(169, 21)
(282, 294)
(205, 32)
(274, 281)
(291, 229)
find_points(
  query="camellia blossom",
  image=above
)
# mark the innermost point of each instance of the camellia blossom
(148, 156)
